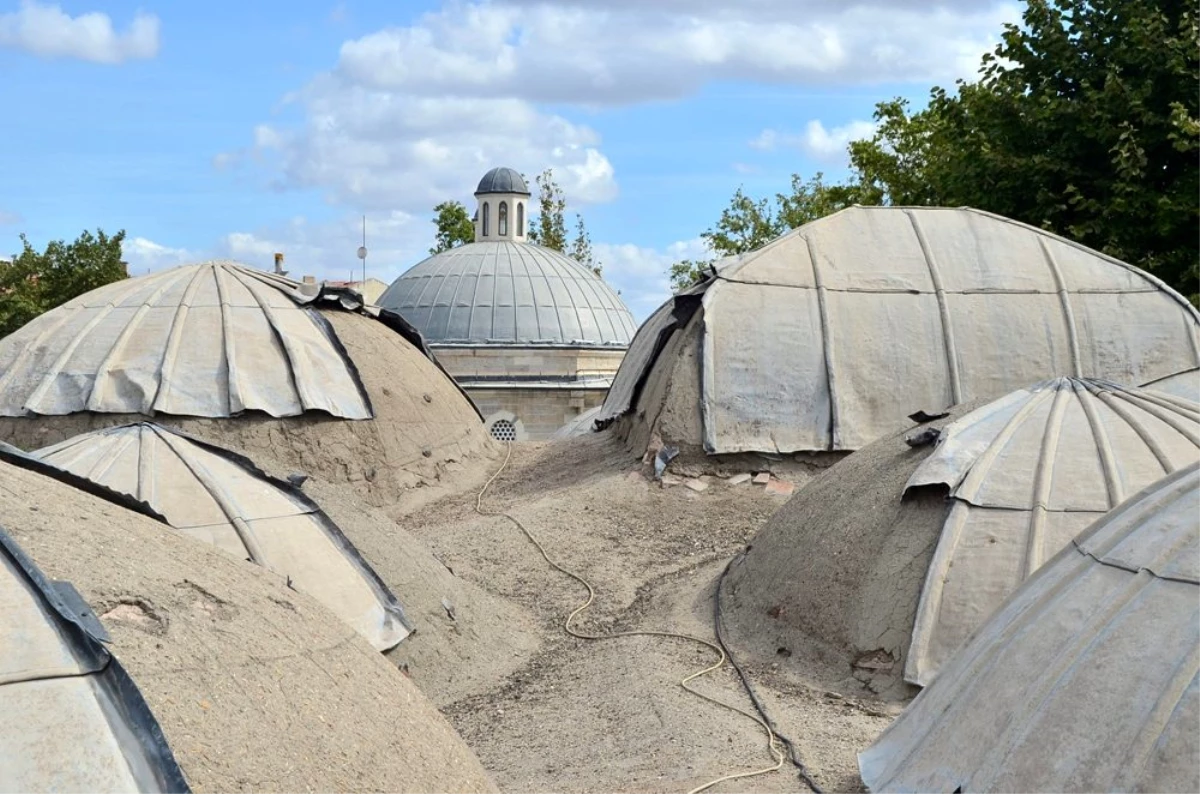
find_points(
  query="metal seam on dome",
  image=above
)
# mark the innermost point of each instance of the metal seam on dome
(37, 344)
(462, 274)
(491, 324)
(1064, 297)
(1167, 416)
(299, 384)
(1035, 537)
(100, 384)
(1171, 402)
(1112, 480)
(826, 344)
(1143, 746)
(599, 307)
(1061, 667)
(234, 402)
(929, 604)
(982, 466)
(949, 348)
(55, 369)
(553, 299)
(1139, 427)
(445, 273)
(220, 496)
(170, 357)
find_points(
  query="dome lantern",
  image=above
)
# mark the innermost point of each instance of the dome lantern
(502, 198)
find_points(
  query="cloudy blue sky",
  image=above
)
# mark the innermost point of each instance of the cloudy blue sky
(237, 129)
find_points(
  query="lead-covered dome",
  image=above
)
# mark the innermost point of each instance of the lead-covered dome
(506, 293)
(502, 180)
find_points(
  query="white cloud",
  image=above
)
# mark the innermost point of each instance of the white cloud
(380, 150)
(9, 218)
(412, 115)
(588, 54)
(831, 144)
(641, 273)
(145, 255)
(395, 242)
(828, 145)
(47, 31)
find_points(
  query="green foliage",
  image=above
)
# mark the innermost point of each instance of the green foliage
(454, 226)
(34, 282)
(1083, 122)
(747, 224)
(581, 248)
(549, 228)
(687, 272)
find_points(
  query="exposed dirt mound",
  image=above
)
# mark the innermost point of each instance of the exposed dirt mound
(256, 686)
(422, 422)
(830, 586)
(586, 716)
(466, 639)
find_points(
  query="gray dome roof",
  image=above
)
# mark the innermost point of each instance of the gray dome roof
(502, 180)
(507, 293)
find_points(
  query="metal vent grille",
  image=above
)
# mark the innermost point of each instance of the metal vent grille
(503, 430)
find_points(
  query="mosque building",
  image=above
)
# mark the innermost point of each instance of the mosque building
(532, 335)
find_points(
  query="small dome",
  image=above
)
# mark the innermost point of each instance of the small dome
(218, 497)
(897, 554)
(502, 180)
(1085, 680)
(212, 339)
(508, 293)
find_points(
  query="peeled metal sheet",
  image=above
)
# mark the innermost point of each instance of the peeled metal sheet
(826, 338)
(643, 351)
(1087, 679)
(73, 720)
(221, 498)
(580, 425)
(1026, 474)
(213, 339)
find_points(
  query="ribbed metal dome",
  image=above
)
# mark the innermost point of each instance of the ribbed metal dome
(218, 497)
(502, 180)
(507, 293)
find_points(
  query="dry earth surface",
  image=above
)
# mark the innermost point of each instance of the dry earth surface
(591, 716)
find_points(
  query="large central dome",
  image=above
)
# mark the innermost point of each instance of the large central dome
(508, 293)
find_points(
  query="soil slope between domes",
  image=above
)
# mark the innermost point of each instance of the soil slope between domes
(256, 686)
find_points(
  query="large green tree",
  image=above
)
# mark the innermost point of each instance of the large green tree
(454, 226)
(1083, 121)
(35, 282)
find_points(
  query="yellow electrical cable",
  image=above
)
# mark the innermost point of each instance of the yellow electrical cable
(772, 745)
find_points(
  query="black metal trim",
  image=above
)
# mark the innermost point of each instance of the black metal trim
(391, 603)
(104, 668)
(23, 460)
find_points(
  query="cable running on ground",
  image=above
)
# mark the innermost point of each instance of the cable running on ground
(797, 761)
(591, 597)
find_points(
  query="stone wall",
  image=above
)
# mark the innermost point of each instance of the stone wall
(534, 413)
(536, 390)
